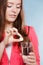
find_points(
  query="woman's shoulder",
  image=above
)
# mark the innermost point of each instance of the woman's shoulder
(29, 28)
(31, 32)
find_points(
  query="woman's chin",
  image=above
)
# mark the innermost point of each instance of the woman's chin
(11, 20)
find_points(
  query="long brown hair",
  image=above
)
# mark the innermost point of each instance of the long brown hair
(20, 19)
(2, 16)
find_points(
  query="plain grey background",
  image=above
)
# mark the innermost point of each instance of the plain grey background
(33, 10)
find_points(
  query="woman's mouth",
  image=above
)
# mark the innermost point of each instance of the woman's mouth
(13, 16)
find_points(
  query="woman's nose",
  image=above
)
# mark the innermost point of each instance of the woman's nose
(14, 9)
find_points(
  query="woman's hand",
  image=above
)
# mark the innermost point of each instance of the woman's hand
(15, 33)
(10, 35)
(30, 59)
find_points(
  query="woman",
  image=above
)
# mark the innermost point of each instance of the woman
(12, 32)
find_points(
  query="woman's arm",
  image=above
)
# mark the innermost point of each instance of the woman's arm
(2, 46)
(33, 37)
(34, 55)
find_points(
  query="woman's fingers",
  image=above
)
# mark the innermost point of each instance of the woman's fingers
(15, 29)
(8, 32)
(31, 55)
(12, 39)
(31, 63)
(24, 58)
(20, 37)
(13, 32)
(30, 59)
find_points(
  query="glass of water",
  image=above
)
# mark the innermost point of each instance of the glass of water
(26, 47)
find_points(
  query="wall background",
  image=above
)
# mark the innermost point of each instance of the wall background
(33, 10)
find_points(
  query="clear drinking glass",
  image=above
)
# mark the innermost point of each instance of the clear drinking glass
(26, 47)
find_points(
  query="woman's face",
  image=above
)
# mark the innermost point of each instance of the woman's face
(12, 10)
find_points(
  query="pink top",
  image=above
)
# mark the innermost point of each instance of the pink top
(16, 58)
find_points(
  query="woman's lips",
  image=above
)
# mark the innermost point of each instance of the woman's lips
(13, 16)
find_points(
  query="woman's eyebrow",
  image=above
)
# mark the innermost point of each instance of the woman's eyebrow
(13, 3)
(18, 3)
(10, 3)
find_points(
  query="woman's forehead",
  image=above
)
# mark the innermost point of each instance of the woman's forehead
(14, 1)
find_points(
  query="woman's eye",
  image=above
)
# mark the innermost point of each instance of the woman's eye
(9, 6)
(18, 6)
